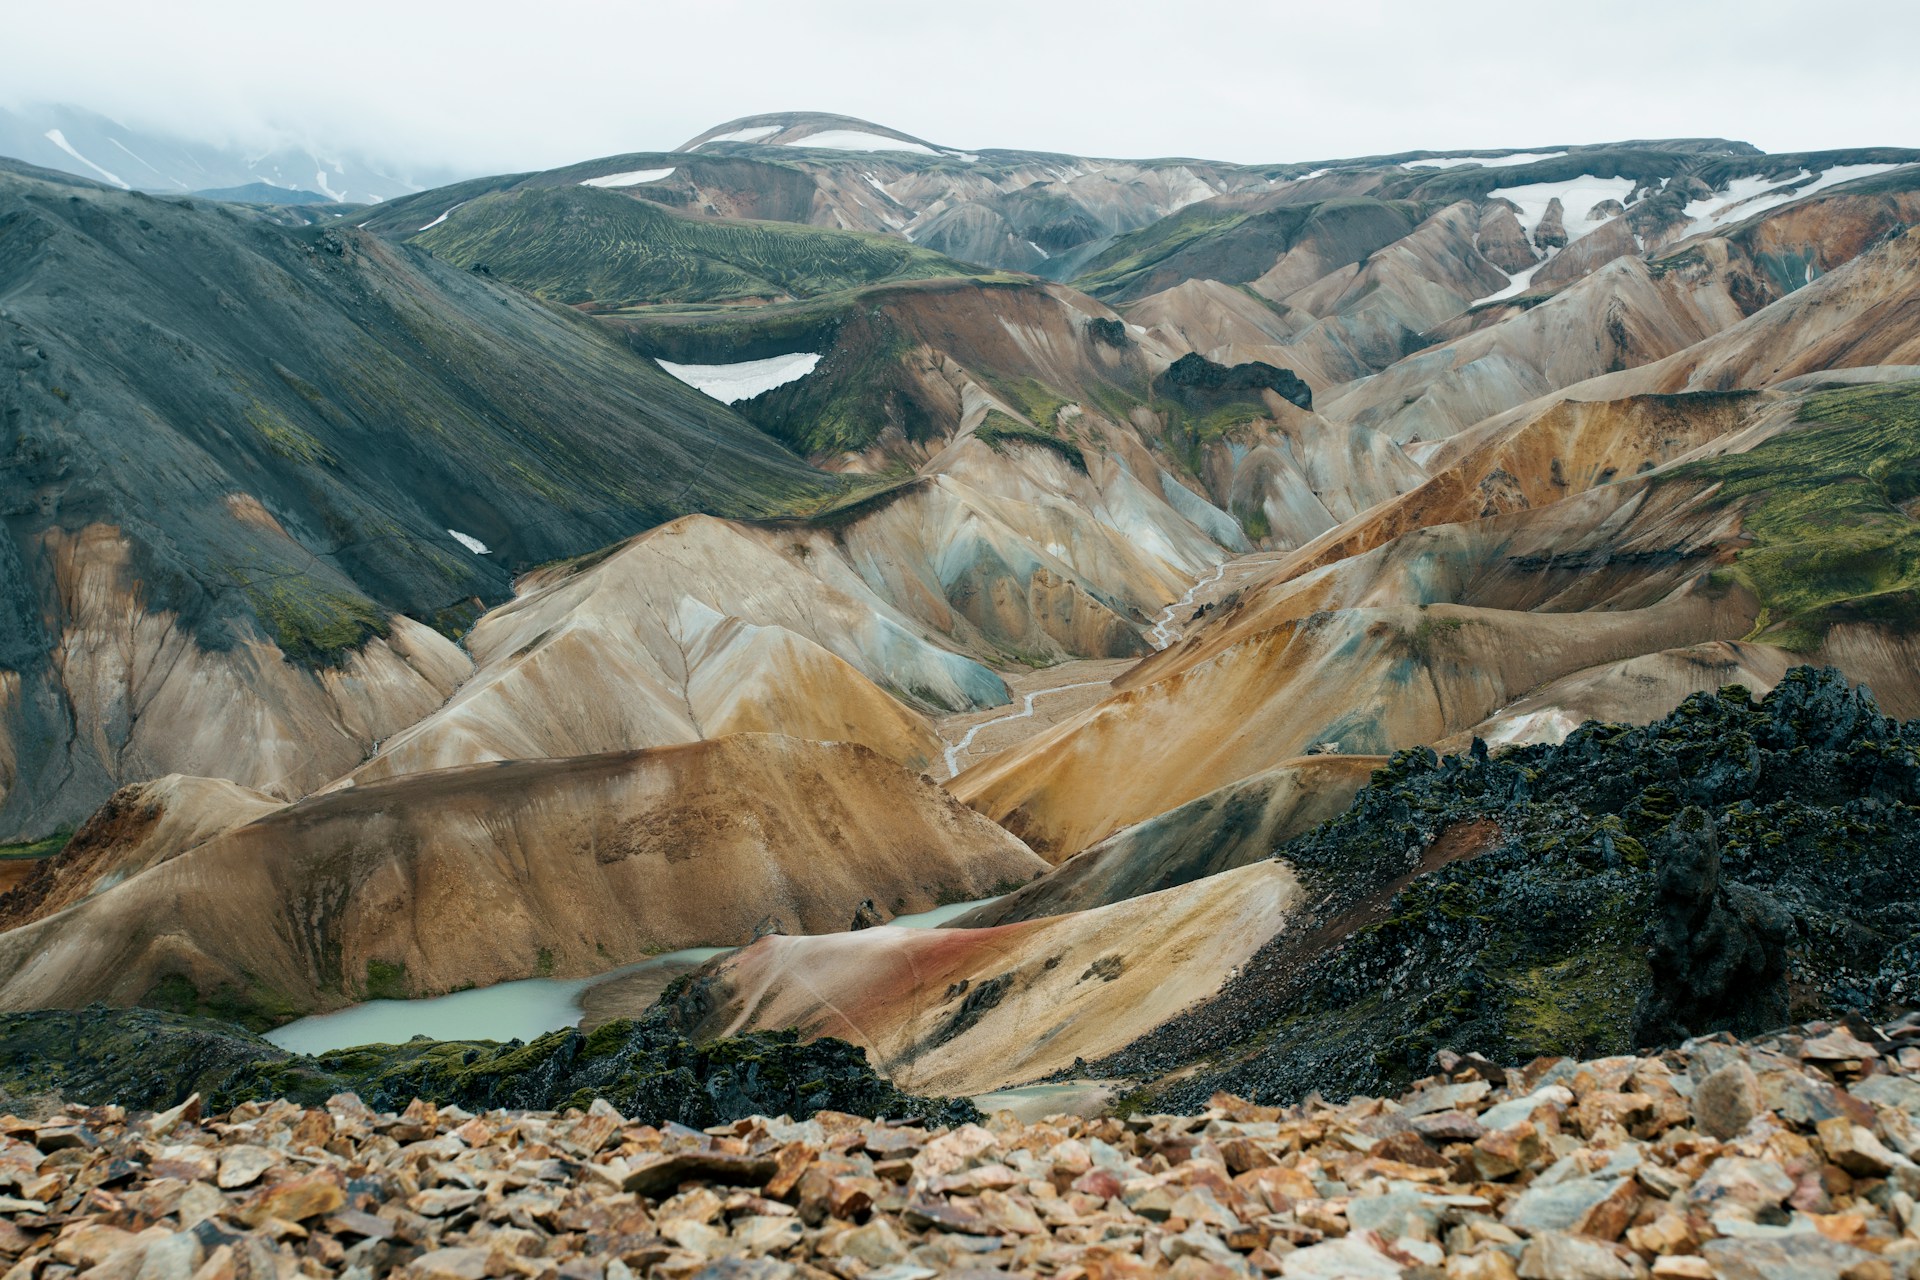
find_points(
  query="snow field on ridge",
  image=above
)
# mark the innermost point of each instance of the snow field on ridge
(745, 379)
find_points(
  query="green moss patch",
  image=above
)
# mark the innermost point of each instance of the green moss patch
(312, 623)
(584, 246)
(997, 431)
(44, 847)
(1830, 508)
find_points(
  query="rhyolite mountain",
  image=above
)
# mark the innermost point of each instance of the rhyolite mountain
(817, 522)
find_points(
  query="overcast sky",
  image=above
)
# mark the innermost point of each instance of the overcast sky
(487, 85)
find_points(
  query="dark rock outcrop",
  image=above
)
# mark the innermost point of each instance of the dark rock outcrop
(1728, 867)
(1717, 955)
(1199, 383)
(143, 1059)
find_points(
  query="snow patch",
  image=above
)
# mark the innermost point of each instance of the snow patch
(1745, 197)
(468, 541)
(1516, 283)
(858, 140)
(1455, 162)
(1577, 198)
(141, 160)
(320, 178)
(442, 218)
(754, 134)
(746, 379)
(1037, 249)
(59, 140)
(1547, 725)
(632, 178)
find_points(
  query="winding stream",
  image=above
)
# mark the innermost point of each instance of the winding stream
(1163, 628)
(953, 751)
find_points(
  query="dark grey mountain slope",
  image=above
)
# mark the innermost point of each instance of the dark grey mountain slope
(282, 426)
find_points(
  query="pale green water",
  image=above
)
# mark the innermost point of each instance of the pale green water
(1038, 1101)
(938, 916)
(507, 1010)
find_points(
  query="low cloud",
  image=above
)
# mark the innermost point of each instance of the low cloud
(490, 86)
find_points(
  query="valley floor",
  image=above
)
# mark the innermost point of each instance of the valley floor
(1044, 696)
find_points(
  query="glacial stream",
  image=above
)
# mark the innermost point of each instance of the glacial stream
(507, 1010)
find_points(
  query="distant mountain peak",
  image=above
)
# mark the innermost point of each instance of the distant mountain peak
(72, 139)
(817, 129)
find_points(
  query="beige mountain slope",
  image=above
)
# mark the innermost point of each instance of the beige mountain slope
(1622, 692)
(1862, 316)
(1278, 475)
(1513, 625)
(1012, 548)
(702, 627)
(153, 700)
(1364, 678)
(1544, 451)
(1220, 321)
(472, 876)
(1371, 312)
(1866, 312)
(1421, 637)
(1026, 369)
(1296, 475)
(1238, 825)
(663, 639)
(1616, 303)
(1627, 692)
(1620, 316)
(140, 827)
(1331, 312)
(968, 1010)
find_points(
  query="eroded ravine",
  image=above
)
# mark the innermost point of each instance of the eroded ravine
(1048, 695)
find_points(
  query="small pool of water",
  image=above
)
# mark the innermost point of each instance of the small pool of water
(507, 1010)
(1038, 1101)
(938, 916)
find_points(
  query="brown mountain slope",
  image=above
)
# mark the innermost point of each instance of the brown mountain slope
(967, 1010)
(140, 826)
(464, 877)
(1540, 453)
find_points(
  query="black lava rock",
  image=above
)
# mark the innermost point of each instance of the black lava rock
(1734, 865)
(1197, 382)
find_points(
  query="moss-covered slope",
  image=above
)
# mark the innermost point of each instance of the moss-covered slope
(590, 246)
(1831, 509)
(1238, 240)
